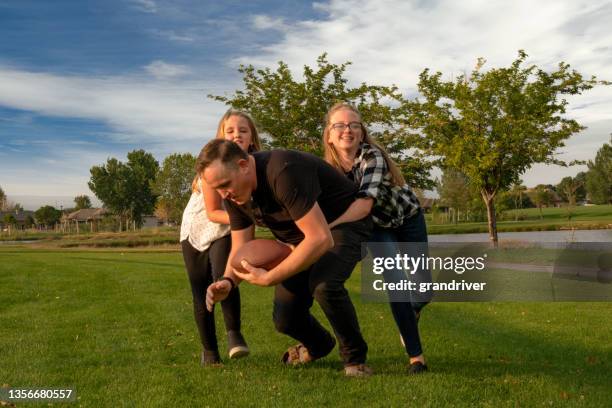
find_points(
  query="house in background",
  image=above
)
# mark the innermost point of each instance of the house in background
(21, 218)
(151, 221)
(90, 217)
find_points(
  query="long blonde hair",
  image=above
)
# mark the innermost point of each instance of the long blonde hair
(255, 141)
(331, 155)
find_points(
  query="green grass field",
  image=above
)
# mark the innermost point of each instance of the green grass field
(118, 326)
(585, 217)
(592, 217)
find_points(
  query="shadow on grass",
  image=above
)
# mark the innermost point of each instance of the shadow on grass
(502, 349)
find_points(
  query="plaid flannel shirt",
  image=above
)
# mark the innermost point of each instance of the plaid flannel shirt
(392, 204)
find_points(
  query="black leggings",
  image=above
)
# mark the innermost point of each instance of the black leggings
(324, 281)
(204, 268)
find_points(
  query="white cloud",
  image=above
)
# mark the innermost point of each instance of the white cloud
(162, 70)
(391, 42)
(263, 22)
(172, 35)
(148, 6)
(161, 116)
(138, 108)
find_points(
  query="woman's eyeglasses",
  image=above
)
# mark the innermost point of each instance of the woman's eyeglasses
(341, 126)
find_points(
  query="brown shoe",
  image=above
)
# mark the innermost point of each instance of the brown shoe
(297, 355)
(358, 370)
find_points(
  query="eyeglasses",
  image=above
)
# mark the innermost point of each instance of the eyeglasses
(341, 126)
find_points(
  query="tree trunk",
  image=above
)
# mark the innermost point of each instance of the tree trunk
(541, 215)
(488, 199)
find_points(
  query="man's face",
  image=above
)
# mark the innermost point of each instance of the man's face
(231, 183)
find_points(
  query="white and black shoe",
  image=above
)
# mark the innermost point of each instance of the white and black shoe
(236, 345)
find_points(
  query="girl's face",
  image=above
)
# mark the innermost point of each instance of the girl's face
(345, 130)
(236, 129)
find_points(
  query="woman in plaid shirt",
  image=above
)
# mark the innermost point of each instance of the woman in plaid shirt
(384, 194)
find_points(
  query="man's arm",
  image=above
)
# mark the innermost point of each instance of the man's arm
(317, 240)
(218, 291)
(239, 238)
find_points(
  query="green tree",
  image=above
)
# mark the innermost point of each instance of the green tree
(568, 189)
(109, 183)
(2, 200)
(47, 215)
(162, 210)
(541, 196)
(454, 192)
(173, 184)
(82, 201)
(291, 113)
(29, 221)
(599, 176)
(494, 125)
(581, 192)
(125, 188)
(518, 194)
(143, 169)
(9, 221)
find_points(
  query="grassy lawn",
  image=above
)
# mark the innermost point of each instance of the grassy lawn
(118, 326)
(593, 217)
(585, 217)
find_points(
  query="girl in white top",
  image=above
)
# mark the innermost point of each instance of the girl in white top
(206, 244)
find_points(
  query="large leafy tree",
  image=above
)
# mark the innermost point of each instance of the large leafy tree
(290, 113)
(599, 176)
(125, 188)
(109, 182)
(82, 201)
(173, 185)
(571, 189)
(47, 215)
(494, 125)
(142, 171)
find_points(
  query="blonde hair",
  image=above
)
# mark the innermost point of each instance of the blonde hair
(331, 156)
(255, 141)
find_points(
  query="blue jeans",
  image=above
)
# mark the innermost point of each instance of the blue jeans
(412, 230)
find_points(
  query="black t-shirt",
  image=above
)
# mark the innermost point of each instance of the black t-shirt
(288, 185)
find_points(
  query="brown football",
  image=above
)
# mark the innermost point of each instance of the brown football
(261, 253)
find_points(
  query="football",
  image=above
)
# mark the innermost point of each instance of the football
(261, 253)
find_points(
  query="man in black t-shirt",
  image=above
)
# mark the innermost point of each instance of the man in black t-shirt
(295, 195)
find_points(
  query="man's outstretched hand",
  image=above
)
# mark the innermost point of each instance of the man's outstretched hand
(217, 292)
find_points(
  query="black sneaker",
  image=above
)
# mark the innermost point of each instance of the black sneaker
(210, 358)
(417, 368)
(236, 345)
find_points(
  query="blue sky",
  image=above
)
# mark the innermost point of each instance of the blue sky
(81, 81)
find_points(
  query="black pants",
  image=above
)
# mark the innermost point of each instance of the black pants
(324, 281)
(204, 268)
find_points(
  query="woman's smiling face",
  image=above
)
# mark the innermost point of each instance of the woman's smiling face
(344, 134)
